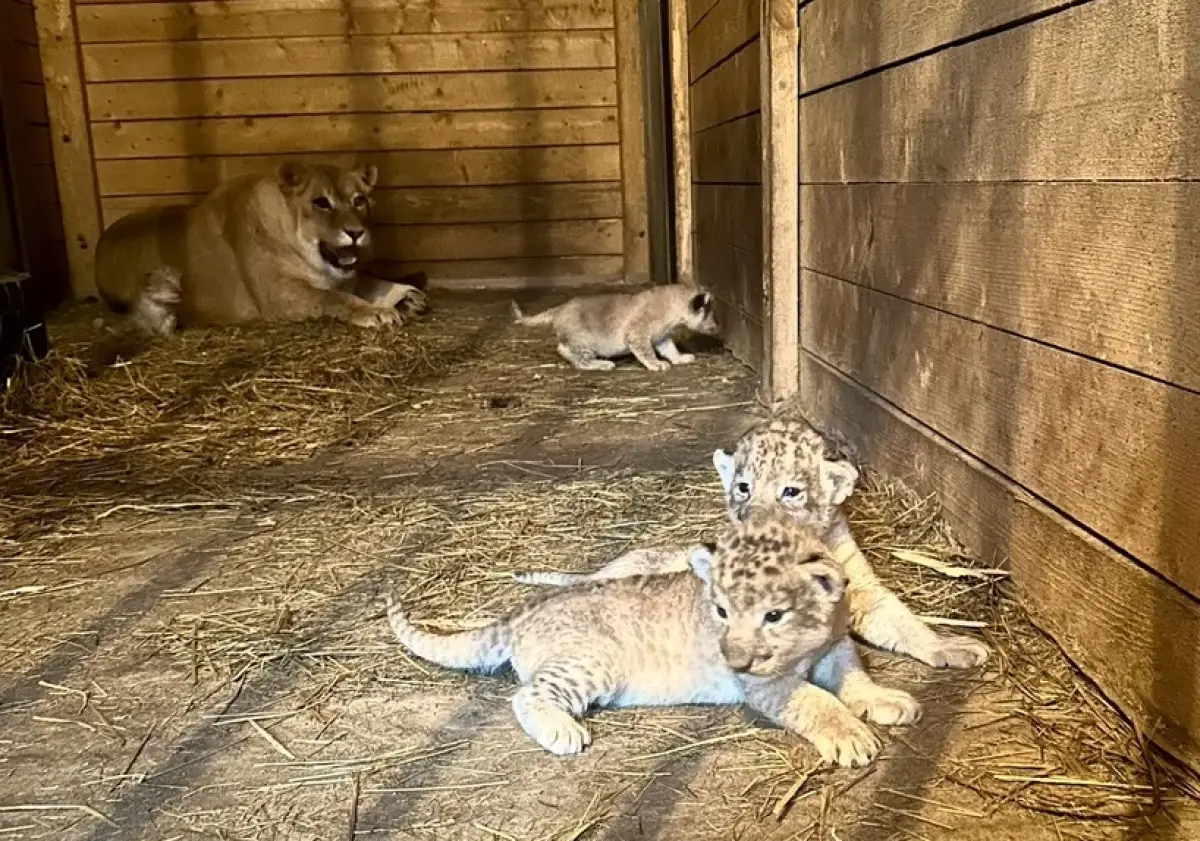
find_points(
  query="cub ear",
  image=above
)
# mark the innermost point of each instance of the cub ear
(723, 461)
(837, 480)
(293, 176)
(700, 302)
(831, 579)
(700, 562)
(368, 174)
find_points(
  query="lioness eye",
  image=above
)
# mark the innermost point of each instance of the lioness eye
(322, 203)
(360, 202)
(724, 614)
(772, 617)
(790, 492)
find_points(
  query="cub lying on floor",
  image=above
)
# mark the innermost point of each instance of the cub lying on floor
(592, 329)
(760, 620)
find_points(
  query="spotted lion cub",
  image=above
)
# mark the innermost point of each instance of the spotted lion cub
(593, 329)
(759, 620)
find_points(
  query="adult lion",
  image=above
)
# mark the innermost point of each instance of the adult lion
(278, 247)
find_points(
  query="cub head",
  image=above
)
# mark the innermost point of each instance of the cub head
(785, 467)
(776, 592)
(700, 317)
(331, 206)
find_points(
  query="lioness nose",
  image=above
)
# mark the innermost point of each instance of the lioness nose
(354, 235)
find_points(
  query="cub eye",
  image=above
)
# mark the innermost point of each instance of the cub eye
(742, 489)
(722, 612)
(322, 203)
(773, 617)
(359, 202)
(791, 492)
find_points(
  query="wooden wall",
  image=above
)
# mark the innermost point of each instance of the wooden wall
(723, 51)
(27, 137)
(495, 123)
(1000, 297)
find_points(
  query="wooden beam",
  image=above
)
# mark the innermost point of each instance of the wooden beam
(779, 80)
(68, 118)
(631, 113)
(681, 142)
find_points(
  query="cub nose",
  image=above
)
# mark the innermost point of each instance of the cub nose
(739, 661)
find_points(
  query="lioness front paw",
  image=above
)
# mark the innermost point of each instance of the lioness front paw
(413, 300)
(845, 741)
(955, 653)
(888, 707)
(372, 317)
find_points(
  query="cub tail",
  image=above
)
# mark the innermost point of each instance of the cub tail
(550, 579)
(541, 318)
(483, 649)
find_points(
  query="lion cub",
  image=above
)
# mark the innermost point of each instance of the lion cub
(758, 620)
(593, 329)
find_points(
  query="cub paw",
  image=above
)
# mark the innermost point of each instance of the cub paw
(558, 733)
(657, 365)
(955, 653)
(846, 741)
(685, 359)
(888, 707)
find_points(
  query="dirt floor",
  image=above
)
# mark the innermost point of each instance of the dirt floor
(194, 545)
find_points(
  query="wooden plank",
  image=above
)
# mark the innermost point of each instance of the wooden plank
(843, 40)
(728, 92)
(681, 142)
(357, 94)
(1121, 256)
(72, 143)
(729, 26)
(631, 90)
(724, 154)
(517, 273)
(262, 57)
(780, 78)
(20, 25)
(22, 62)
(741, 334)
(729, 224)
(189, 21)
(697, 9)
(396, 169)
(1115, 451)
(356, 132)
(416, 243)
(31, 145)
(1130, 631)
(1088, 102)
(27, 102)
(409, 206)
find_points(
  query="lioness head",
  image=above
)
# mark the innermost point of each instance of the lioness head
(331, 206)
(776, 591)
(700, 317)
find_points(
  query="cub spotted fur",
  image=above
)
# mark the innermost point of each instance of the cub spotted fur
(761, 619)
(278, 247)
(593, 329)
(785, 467)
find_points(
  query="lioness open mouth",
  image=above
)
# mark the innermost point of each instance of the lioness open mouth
(341, 258)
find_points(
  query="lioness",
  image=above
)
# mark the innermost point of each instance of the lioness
(278, 247)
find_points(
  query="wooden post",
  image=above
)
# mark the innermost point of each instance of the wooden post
(73, 164)
(682, 142)
(779, 86)
(631, 110)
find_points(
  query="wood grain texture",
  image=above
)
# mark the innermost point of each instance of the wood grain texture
(1107, 270)
(725, 154)
(631, 92)
(729, 225)
(1129, 630)
(779, 79)
(517, 273)
(730, 25)
(1102, 91)
(450, 205)
(416, 168)
(844, 39)
(367, 54)
(187, 21)
(358, 94)
(72, 148)
(728, 92)
(356, 132)
(1113, 450)
(681, 142)
(416, 243)
(697, 9)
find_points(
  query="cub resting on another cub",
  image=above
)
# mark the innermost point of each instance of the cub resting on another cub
(784, 467)
(280, 247)
(762, 621)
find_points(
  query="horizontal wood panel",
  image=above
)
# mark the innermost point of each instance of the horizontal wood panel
(1108, 270)
(355, 132)
(498, 241)
(728, 153)
(22, 62)
(728, 26)
(27, 103)
(549, 270)
(182, 21)
(31, 145)
(408, 206)
(741, 334)
(1097, 92)
(728, 92)
(20, 25)
(841, 40)
(728, 222)
(1116, 451)
(330, 94)
(396, 169)
(256, 57)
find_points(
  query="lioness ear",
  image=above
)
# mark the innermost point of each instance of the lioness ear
(723, 461)
(831, 579)
(700, 561)
(368, 174)
(837, 480)
(293, 176)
